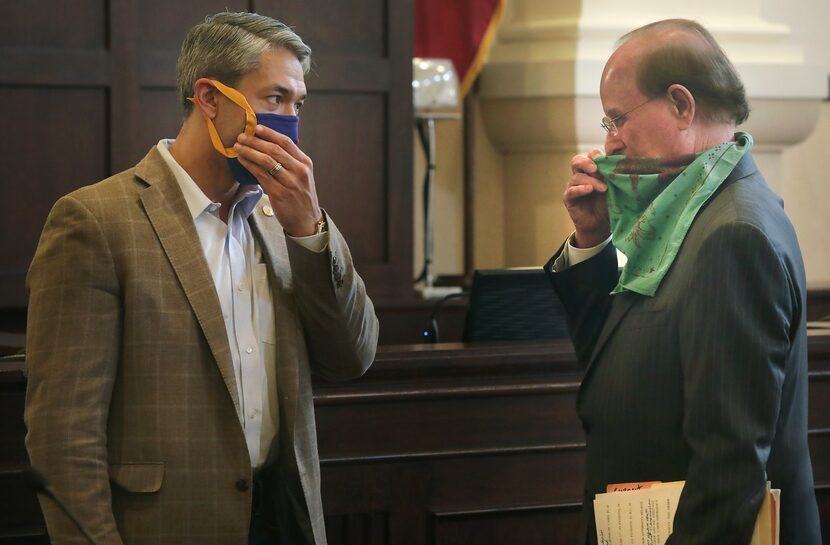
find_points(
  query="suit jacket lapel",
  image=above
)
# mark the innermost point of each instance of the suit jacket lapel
(271, 239)
(622, 303)
(168, 213)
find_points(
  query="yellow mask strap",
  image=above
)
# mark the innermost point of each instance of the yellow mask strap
(250, 118)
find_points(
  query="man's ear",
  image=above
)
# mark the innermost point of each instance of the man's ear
(205, 97)
(684, 105)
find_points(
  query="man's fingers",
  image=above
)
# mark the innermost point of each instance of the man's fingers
(581, 163)
(579, 190)
(285, 143)
(249, 158)
(580, 179)
(574, 193)
(594, 153)
(585, 163)
(272, 152)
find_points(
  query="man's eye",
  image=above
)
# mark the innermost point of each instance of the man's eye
(298, 106)
(275, 99)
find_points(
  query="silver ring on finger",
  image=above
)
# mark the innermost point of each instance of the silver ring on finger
(275, 169)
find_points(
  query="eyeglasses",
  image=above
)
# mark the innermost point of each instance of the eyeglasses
(610, 125)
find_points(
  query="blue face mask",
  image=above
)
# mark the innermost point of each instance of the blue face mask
(289, 125)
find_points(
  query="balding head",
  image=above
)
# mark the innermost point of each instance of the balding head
(680, 51)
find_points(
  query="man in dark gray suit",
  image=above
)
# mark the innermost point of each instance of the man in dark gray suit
(696, 365)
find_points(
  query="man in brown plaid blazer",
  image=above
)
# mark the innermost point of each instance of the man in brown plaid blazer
(176, 315)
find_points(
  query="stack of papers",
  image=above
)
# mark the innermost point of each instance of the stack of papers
(643, 513)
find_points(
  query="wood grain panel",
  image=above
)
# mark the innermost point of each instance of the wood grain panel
(819, 441)
(819, 400)
(432, 426)
(345, 136)
(52, 142)
(54, 23)
(823, 498)
(358, 529)
(514, 479)
(29, 66)
(357, 127)
(163, 24)
(165, 121)
(335, 29)
(541, 525)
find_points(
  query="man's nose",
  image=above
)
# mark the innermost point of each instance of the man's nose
(286, 109)
(613, 144)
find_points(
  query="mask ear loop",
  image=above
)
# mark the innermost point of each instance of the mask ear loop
(250, 118)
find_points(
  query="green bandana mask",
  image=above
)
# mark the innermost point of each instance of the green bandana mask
(652, 203)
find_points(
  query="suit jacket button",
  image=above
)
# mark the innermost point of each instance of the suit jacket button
(242, 485)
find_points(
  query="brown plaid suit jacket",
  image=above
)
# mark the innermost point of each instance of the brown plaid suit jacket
(131, 406)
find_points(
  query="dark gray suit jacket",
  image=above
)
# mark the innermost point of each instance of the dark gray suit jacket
(706, 381)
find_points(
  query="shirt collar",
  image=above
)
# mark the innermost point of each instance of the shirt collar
(198, 203)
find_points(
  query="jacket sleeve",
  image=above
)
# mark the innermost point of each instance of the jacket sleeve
(584, 290)
(73, 333)
(338, 317)
(735, 337)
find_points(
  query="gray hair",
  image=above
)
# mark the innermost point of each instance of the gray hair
(228, 45)
(694, 59)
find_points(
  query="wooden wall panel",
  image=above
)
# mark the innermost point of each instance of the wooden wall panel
(476, 420)
(340, 29)
(54, 23)
(121, 56)
(163, 24)
(51, 143)
(358, 529)
(336, 130)
(823, 497)
(163, 119)
(545, 525)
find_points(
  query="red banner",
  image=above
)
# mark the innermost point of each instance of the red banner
(461, 30)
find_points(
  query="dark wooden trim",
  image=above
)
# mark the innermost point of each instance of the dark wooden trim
(447, 392)
(452, 453)
(495, 510)
(399, 220)
(124, 94)
(469, 182)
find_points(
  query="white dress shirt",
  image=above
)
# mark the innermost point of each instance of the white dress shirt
(571, 255)
(234, 258)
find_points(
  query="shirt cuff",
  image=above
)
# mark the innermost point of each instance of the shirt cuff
(315, 243)
(571, 255)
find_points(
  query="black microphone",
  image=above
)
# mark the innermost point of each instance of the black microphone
(40, 485)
